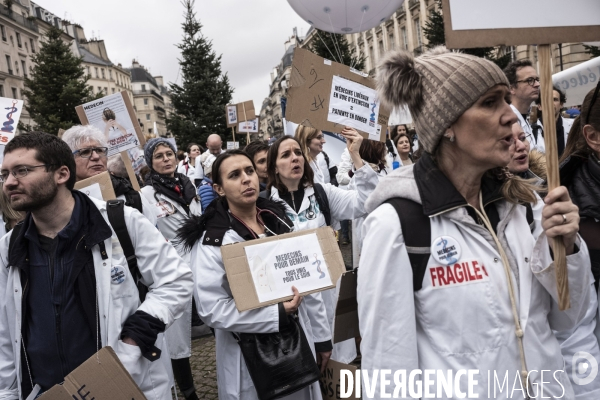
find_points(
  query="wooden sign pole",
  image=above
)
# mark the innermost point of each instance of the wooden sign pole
(130, 170)
(233, 132)
(546, 95)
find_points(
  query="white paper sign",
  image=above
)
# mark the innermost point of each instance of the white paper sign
(93, 191)
(248, 126)
(10, 112)
(277, 266)
(577, 81)
(231, 115)
(494, 14)
(109, 114)
(352, 104)
(233, 145)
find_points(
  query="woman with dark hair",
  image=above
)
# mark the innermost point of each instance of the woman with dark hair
(458, 249)
(310, 204)
(580, 173)
(240, 215)
(187, 166)
(173, 197)
(402, 143)
(112, 128)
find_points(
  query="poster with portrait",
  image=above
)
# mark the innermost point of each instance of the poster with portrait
(114, 116)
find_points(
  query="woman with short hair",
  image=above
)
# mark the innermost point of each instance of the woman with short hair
(454, 275)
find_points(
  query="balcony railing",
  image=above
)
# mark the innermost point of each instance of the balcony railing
(19, 19)
(413, 3)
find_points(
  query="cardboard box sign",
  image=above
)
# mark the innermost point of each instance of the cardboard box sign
(346, 310)
(476, 23)
(98, 186)
(101, 377)
(295, 266)
(330, 381)
(236, 113)
(327, 95)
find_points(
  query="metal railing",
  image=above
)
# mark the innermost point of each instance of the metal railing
(19, 19)
(413, 3)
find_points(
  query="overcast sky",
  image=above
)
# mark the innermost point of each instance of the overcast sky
(250, 34)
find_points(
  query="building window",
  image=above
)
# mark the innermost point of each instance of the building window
(96, 72)
(418, 32)
(3, 30)
(24, 68)
(113, 90)
(404, 39)
(2, 90)
(87, 69)
(99, 89)
(143, 88)
(19, 40)
(381, 49)
(91, 89)
(17, 67)
(103, 75)
(391, 43)
(26, 47)
(105, 90)
(14, 93)
(8, 62)
(110, 74)
(32, 46)
(147, 117)
(371, 55)
(145, 102)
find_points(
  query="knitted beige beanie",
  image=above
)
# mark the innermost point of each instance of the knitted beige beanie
(438, 87)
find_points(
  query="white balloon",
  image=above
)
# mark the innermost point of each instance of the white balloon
(345, 16)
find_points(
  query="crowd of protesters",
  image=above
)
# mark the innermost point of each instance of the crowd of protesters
(452, 217)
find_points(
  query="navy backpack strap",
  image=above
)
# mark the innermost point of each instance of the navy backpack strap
(323, 202)
(416, 230)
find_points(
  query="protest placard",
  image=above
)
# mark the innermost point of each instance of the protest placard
(98, 186)
(245, 111)
(301, 264)
(346, 310)
(249, 126)
(314, 102)
(330, 381)
(115, 117)
(577, 81)
(475, 23)
(9, 118)
(231, 115)
(277, 266)
(233, 145)
(101, 377)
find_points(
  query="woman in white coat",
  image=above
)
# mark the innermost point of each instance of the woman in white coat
(187, 166)
(291, 180)
(311, 142)
(484, 298)
(173, 197)
(237, 216)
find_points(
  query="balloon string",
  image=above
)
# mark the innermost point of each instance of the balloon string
(336, 46)
(332, 56)
(355, 59)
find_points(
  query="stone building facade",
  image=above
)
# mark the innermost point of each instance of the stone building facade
(148, 101)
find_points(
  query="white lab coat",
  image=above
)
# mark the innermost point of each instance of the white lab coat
(539, 144)
(147, 209)
(466, 326)
(343, 204)
(217, 309)
(199, 172)
(171, 215)
(170, 283)
(567, 123)
(184, 167)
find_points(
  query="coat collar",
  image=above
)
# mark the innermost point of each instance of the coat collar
(439, 195)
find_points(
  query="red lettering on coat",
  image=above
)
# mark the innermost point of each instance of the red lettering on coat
(458, 273)
(476, 270)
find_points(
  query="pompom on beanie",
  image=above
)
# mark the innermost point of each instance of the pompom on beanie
(438, 87)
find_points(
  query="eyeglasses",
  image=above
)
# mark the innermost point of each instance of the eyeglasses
(19, 172)
(530, 81)
(526, 138)
(594, 97)
(88, 151)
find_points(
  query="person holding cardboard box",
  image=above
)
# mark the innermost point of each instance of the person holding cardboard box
(173, 197)
(466, 272)
(65, 282)
(241, 215)
(311, 205)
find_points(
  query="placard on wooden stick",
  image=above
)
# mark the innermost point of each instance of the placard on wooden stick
(98, 186)
(475, 23)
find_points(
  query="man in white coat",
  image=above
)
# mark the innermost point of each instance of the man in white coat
(525, 89)
(214, 146)
(65, 286)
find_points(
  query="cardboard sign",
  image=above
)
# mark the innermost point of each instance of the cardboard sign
(249, 126)
(576, 82)
(330, 381)
(233, 145)
(239, 273)
(310, 95)
(10, 112)
(231, 114)
(276, 266)
(101, 183)
(115, 117)
(101, 377)
(476, 23)
(346, 311)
